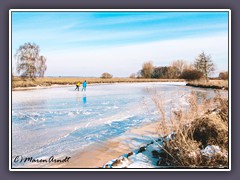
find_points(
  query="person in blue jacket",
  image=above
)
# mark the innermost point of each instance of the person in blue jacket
(84, 86)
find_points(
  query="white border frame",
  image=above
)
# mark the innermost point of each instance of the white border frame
(115, 10)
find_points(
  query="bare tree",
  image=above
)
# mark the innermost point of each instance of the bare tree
(204, 64)
(29, 62)
(180, 65)
(147, 69)
(41, 66)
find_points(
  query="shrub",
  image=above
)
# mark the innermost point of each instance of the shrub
(191, 75)
(133, 75)
(147, 69)
(106, 76)
(223, 75)
(160, 72)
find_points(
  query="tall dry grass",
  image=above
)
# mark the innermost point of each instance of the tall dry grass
(204, 123)
(216, 84)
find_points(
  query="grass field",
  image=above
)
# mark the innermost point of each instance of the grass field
(18, 82)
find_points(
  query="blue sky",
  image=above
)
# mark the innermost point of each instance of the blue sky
(90, 43)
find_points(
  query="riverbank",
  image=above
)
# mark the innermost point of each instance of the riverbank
(18, 82)
(41, 83)
(96, 155)
(213, 84)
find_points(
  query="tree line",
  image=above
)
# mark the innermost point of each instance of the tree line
(202, 67)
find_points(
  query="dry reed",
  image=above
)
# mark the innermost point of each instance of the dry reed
(204, 123)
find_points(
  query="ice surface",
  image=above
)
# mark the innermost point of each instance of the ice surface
(60, 121)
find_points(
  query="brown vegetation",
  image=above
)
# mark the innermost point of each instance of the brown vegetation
(215, 84)
(48, 81)
(147, 69)
(133, 75)
(193, 74)
(223, 75)
(106, 76)
(202, 126)
(203, 66)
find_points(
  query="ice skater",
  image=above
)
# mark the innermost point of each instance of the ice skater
(84, 86)
(77, 86)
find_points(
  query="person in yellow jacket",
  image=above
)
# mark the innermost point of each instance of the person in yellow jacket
(77, 86)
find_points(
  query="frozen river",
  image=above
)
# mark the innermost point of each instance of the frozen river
(60, 121)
